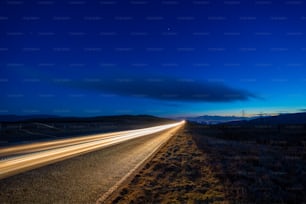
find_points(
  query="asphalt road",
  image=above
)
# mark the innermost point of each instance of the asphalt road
(85, 178)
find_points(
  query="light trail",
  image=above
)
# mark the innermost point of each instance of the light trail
(40, 154)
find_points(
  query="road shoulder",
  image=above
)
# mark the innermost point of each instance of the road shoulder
(179, 172)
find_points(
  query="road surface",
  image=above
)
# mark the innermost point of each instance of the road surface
(82, 179)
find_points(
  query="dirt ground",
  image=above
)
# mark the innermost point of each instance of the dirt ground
(178, 173)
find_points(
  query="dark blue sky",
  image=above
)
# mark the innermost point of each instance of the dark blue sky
(163, 58)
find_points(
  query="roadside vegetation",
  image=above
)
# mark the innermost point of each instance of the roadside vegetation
(256, 163)
(178, 173)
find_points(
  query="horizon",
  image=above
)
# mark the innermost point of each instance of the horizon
(250, 116)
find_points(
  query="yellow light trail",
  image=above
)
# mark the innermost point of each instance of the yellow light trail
(29, 156)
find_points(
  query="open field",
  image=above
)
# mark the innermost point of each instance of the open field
(257, 164)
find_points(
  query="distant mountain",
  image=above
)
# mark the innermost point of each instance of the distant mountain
(214, 119)
(290, 118)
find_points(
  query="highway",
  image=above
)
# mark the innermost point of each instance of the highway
(87, 178)
(22, 158)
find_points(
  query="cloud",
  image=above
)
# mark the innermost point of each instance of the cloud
(168, 89)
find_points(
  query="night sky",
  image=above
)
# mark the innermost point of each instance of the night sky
(165, 58)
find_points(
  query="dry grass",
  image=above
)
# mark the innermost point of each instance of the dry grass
(179, 173)
(256, 169)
